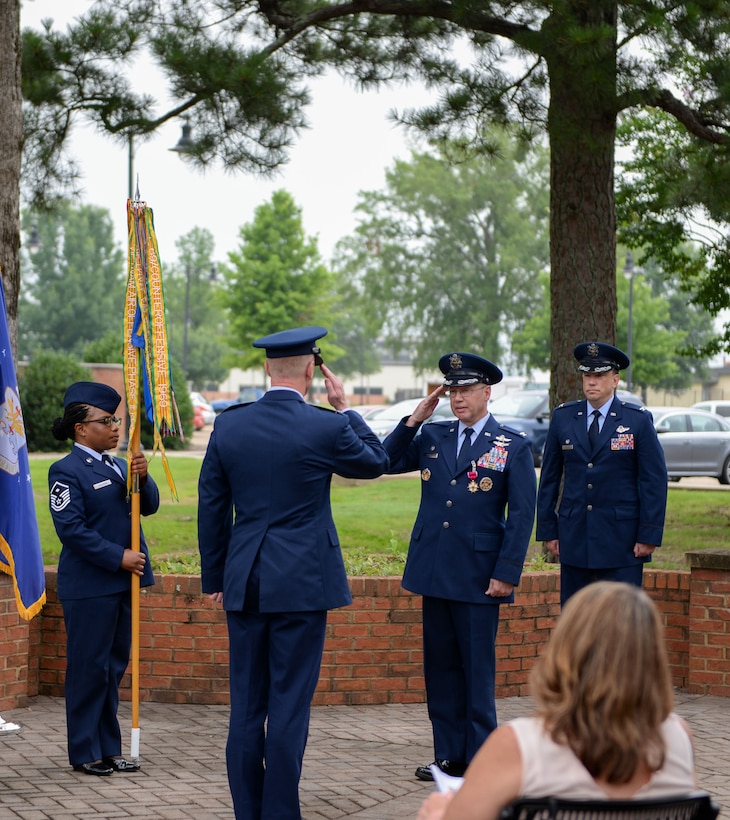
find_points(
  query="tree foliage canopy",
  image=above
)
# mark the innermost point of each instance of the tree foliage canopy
(275, 280)
(74, 284)
(673, 203)
(665, 328)
(446, 254)
(196, 322)
(570, 67)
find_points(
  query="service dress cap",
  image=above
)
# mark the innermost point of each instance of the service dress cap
(299, 341)
(94, 394)
(597, 357)
(463, 369)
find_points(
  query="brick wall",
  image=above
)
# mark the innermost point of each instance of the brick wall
(709, 623)
(373, 648)
(14, 649)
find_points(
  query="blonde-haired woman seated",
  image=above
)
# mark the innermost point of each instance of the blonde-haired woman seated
(603, 726)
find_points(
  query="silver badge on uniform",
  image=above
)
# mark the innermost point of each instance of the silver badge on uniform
(60, 496)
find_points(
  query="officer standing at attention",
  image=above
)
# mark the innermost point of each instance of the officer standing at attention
(467, 548)
(606, 455)
(270, 553)
(90, 510)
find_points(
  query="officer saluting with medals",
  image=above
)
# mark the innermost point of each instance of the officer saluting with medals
(467, 548)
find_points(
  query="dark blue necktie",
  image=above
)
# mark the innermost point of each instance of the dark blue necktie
(109, 461)
(464, 457)
(593, 429)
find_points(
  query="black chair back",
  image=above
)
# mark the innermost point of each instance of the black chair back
(695, 806)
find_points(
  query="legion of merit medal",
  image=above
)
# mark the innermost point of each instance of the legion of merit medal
(473, 487)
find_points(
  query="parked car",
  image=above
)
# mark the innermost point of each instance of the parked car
(250, 394)
(219, 405)
(694, 441)
(368, 411)
(721, 408)
(206, 409)
(528, 411)
(198, 420)
(387, 420)
(247, 394)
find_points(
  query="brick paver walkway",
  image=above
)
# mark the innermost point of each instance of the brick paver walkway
(359, 762)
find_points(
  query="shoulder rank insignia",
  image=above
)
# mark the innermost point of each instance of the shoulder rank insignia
(60, 496)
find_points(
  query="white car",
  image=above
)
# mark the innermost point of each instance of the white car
(720, 407)
(387, 419)
(206, 408)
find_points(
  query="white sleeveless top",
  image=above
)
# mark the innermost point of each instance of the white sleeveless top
(549, 768)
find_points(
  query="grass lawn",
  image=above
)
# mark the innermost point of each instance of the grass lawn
(374, 520)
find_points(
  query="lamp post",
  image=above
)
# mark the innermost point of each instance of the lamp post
(188, 271)
(130, 167)
(629, 271)
(186, 143)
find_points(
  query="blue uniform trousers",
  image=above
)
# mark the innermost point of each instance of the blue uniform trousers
(459, 667)
(574, 578)
(274, 668)
(99, 637)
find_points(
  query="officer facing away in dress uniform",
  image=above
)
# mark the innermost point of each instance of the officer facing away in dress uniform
(606, 455)
(467, 548)
(270, 553)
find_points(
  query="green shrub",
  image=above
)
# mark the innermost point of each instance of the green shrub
(107, 350)
(185, 408)
(41, 386)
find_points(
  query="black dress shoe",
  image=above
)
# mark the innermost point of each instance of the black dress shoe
(121, 764)
(100, 769)
(449, 767)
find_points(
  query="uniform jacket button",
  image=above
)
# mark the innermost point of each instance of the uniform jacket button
(446, 525)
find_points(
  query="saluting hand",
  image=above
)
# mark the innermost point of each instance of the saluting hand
(426, 407)
(335, 389)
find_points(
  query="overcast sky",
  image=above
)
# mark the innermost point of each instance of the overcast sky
(347, 148)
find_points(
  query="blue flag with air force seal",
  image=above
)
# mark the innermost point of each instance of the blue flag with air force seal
(20, 544)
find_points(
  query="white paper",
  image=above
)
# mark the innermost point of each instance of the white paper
(445, 782)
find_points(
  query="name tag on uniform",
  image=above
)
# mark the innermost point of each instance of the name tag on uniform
(567, 447)
(101, 484)
(431, 455)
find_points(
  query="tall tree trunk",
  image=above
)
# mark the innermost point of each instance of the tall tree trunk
(11, 144)
(582, 128)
